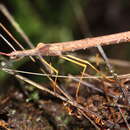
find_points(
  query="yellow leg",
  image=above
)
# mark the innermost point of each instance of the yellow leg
(78, 63)
(83, 61)
(55, 80)
(54, 70)
(86, 62)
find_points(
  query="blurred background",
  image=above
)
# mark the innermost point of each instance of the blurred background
(65, 20)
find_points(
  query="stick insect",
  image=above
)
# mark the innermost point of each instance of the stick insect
(58, 49)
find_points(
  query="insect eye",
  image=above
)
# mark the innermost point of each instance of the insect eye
(13, 57)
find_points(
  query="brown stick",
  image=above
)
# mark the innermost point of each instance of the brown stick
(56, 49)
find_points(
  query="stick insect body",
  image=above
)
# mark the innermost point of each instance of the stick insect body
(57, 49)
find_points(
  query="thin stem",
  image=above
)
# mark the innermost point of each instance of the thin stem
(70, 100)
(1, 25)
(15, 25)
(7, 42)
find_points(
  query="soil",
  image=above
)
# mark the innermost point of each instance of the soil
(16, 113)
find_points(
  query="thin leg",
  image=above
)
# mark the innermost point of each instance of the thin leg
(88, 63)
(54, 70)
(80, 64)
(83, 61)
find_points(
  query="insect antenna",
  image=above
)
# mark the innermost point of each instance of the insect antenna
(7, 42)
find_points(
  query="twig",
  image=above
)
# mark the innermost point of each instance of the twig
(15, 24)
(70, 100)
(123, 76)
(123, 116)
(92, 122)
(77, 79)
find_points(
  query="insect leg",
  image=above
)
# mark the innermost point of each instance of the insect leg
(80, 64)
